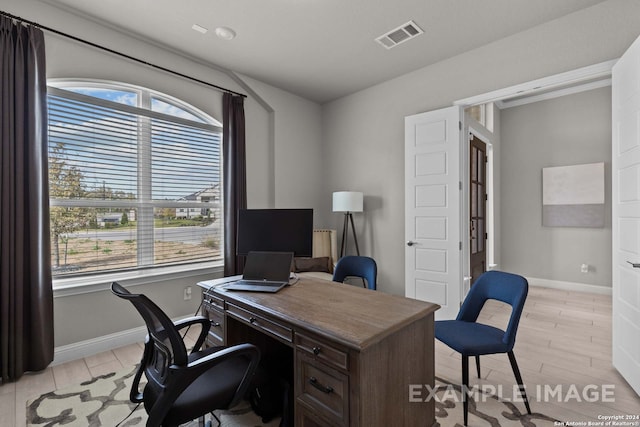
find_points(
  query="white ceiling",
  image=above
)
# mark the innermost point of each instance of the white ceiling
(322, 49)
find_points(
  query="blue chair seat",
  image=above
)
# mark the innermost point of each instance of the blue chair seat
(471, 339)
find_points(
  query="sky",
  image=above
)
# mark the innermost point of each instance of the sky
(185, 159)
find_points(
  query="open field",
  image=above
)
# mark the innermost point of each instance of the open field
(86, 254)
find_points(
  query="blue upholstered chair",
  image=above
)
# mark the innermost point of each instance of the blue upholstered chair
(470, 338)
(356, 266)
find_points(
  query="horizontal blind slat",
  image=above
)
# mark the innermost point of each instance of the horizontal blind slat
(103, 142)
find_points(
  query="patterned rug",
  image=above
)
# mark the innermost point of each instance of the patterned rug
(104, 401)
(485, 409)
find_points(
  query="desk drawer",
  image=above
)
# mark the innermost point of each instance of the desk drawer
(216, 331)
(305, 417)
(261, 323)
(212, 301)
(324, 389)
(322, 351)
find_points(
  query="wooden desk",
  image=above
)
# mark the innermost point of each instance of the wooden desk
(354, 351)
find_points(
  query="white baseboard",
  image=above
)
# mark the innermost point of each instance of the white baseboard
(569, 286)
(78, 350)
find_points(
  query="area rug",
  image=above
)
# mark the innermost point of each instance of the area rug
(104, 401)
(485, 409)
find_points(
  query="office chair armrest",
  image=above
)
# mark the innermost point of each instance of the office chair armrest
(225, 353)
(135, 395)
(189, 321)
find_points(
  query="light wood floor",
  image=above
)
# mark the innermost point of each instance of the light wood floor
(563, 343)
(564, 339)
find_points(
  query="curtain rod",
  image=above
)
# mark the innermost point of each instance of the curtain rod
(124, 55)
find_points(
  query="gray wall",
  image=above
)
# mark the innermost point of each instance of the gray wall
(565, 131)
(298, 163)
(364, 132)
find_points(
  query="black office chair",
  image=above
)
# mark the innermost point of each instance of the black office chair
(357, 266)
(470, 338)
(182, 387)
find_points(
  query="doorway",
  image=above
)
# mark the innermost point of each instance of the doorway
(477, 208)
(437, 234)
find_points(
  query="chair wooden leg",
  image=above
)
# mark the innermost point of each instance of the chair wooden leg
(465, 387)
(516, 372)
(478, 365)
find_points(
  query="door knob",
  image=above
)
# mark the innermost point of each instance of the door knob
(411, 243)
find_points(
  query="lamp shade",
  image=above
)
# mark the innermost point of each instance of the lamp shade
(347, 201)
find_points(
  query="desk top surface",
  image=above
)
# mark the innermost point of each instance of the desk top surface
(356, 317)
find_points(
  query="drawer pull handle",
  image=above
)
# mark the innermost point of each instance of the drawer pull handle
(215, 324)
(316, 350)
(325, 389)
(252, 320)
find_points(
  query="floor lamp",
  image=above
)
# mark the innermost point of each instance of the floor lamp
(347, 202)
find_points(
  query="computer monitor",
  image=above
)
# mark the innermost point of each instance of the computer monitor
(275, 230)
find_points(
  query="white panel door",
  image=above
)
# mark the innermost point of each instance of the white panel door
(626, 215)
(432, 209)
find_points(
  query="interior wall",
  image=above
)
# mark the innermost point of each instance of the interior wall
(570, 130)
(364, 132)
(85, 316)
(297, 152)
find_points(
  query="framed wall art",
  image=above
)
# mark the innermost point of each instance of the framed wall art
(573, 196)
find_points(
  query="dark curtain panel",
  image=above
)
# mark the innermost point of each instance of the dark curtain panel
(235, 178)
(26, 297)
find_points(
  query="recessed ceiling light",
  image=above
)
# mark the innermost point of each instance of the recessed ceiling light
(225, 33)
(199, 28)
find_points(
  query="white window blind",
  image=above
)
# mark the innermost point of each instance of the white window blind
(131, 187)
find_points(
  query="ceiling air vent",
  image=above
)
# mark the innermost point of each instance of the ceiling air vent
(399, 35)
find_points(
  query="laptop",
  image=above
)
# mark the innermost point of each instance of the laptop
(264, 272)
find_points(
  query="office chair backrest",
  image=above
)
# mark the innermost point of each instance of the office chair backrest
(357, 266)
(509, 288)
(168, 345)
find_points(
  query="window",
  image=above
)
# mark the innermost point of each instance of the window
(483, 114)
(134, 179)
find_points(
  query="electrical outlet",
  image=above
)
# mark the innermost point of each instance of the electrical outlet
(187, 293)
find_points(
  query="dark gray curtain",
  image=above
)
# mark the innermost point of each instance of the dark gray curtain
(235, 177)
(26, 297)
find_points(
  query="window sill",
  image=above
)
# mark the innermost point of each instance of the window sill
(101, 282)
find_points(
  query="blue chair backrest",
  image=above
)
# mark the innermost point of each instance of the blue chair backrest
(509, 288)
(356, 266)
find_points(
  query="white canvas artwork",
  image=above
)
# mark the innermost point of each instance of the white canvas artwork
(573, 196)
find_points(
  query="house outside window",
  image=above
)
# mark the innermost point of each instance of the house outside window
(134, 179)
